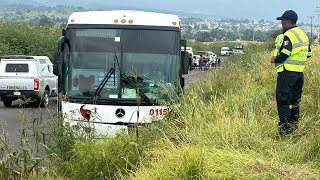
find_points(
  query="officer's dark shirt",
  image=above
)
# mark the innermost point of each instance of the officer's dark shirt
(287, 45)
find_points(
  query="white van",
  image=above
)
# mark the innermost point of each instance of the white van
(27, 77)
(188, 49)
(225, 51)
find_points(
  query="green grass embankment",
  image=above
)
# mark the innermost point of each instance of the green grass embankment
(226, 127)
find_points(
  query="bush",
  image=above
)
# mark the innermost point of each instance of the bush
(24, 39)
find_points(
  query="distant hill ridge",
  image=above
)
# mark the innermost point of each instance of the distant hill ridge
(97, 4)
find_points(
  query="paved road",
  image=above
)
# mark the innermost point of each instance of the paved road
(194, 76)
(19, 116)
(197, 75)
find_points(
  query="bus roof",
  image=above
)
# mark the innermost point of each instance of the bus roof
(124, 17)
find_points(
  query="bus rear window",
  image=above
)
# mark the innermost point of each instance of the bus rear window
(17, 68)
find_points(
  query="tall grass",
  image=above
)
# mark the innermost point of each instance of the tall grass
(28, 155)
(226, 127)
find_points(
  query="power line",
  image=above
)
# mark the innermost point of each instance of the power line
(311, 17)
(318, 29)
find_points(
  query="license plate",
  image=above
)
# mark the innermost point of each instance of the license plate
(17, 93)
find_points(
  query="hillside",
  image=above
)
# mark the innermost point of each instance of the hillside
(194, 26)
(37, 15)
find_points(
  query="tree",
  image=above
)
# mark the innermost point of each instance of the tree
(44, 20)
(203, 36)
(248, 35)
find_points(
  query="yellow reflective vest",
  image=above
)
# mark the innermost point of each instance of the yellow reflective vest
(278, 43)
(298, 55)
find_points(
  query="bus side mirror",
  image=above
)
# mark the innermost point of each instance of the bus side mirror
(61, 42)
(184, 57)
(185, 62)
(63, 32)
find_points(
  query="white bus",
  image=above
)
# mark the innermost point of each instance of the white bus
(115, 67)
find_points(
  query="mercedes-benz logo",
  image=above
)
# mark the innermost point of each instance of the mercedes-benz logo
(120, 112)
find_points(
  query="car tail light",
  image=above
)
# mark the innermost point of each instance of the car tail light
(36, 84)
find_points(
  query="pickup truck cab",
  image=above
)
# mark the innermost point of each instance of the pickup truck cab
(27, 78)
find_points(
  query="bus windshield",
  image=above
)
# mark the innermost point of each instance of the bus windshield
(144, 61)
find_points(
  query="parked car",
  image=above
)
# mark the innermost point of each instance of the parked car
(188, 49)
(214, 55)
(27, 77)
(238, 49)
(209, 55)
(225, 51)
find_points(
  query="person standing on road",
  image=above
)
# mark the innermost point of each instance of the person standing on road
(293, 53)
(218, 61)
(201, 62)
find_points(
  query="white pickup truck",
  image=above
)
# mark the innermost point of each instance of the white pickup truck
(27, 78)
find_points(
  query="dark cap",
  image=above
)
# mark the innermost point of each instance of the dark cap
(288, 15)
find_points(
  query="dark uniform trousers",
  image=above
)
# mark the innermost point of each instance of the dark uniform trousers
(288, 94)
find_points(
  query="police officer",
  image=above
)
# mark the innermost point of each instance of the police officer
(294, 51)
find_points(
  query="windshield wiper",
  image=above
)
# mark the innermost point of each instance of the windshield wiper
(126, 78)
(135, 84)
(102, 84)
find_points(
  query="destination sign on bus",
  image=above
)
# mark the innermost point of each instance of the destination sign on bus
(102, 33)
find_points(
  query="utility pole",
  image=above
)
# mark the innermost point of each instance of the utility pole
(253, 35)
(311, 25)
(318, 29)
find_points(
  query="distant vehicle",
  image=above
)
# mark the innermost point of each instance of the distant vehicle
(23, 77)
(204, 53)
(225, 51)
(238, 49)
(214, 55)
(207, 54)
(188, 49)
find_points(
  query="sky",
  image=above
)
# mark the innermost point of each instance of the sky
(251, 9)
(258, 9)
